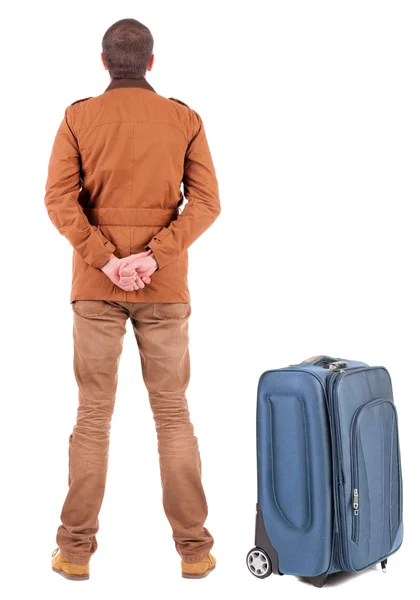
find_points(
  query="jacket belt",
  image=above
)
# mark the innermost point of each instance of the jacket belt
(131, 217)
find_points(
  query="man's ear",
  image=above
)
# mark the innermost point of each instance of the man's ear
(151, 63)
(103, 61)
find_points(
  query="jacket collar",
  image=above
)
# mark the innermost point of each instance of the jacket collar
(125, 83)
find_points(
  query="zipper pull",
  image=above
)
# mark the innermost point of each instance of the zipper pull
(356, 501)
(337, 365)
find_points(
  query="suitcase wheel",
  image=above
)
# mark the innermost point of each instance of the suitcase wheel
(258, 563)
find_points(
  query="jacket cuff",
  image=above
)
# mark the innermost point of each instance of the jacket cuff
(162, 253)
(103, 251)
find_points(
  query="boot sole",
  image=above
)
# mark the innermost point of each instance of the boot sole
(186, 576)
(72, 577)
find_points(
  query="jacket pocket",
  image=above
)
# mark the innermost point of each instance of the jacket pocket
(168, 311)
(91, 308)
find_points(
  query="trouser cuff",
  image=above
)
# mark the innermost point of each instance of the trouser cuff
(196, 557)
(76, 559)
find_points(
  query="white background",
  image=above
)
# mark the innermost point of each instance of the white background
(312, 114)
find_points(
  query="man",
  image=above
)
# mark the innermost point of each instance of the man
(113, 190)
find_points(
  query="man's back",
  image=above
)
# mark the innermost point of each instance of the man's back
(133, 143)
(135, 148)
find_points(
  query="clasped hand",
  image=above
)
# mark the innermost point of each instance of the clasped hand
(132, 272)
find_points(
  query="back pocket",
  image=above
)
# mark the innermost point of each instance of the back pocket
(171, 310)
(91, 308)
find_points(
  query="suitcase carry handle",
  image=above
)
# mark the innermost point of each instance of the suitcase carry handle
(321, 361)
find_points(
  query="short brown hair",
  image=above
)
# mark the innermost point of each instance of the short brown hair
(127, 47)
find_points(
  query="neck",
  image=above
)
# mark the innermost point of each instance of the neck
(125, 82)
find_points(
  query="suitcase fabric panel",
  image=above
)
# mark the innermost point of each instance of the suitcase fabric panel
(371, 498)
(294, 470)
(290, 453)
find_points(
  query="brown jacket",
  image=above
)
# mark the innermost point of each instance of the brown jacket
(113, 187)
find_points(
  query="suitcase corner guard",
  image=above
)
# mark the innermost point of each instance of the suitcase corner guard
(263, 541)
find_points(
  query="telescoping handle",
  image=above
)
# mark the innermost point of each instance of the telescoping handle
(327, 362)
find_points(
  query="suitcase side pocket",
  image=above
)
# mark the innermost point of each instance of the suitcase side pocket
(374, 456)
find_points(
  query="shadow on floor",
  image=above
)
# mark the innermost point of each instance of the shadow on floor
(336, 579)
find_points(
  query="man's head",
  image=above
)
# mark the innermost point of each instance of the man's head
(127, 50)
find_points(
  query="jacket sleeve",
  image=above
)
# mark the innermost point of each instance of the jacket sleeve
(61, 199)
(203, 206)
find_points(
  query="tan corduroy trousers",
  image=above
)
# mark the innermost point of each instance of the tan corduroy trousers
(161, 331)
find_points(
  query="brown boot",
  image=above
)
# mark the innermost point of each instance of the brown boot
(67, 569)
(200, 569)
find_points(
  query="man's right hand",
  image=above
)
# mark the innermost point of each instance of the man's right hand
(129, 283)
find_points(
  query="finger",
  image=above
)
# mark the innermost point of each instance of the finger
(131, 276)
(128, 276)
(140, 283)
(126, 270)
(146, 280)
(127, 280)
(134, 286)
(128, 283)
(130, 288)
(137, 263)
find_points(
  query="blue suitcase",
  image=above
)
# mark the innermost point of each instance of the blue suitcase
(329, 470)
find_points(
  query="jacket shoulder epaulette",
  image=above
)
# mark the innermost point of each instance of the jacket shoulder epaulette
(82, 100)
(179, 101)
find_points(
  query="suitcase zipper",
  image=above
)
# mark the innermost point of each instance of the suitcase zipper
(337, 462)
(355, 520)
